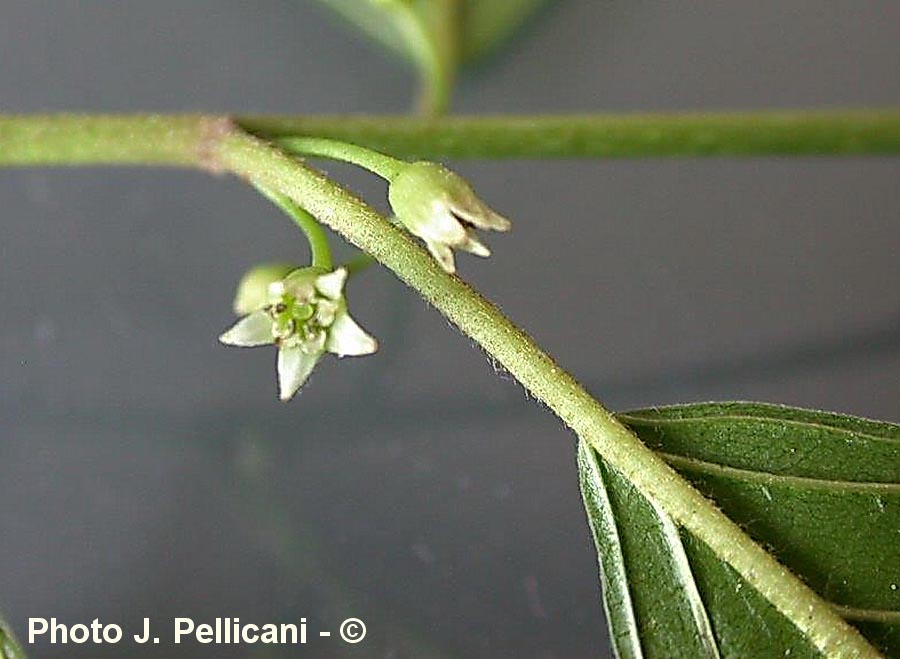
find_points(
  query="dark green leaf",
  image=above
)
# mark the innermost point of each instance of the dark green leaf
(9, 646)
(669, 613)
(819, 490)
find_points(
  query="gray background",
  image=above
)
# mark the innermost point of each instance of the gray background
(147, 471)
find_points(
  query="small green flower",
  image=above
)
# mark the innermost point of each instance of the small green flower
(441, 208)
(305, 315)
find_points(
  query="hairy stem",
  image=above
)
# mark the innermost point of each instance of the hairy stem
(166, 140)
(789, 133)
(536, 371)
(184, 140)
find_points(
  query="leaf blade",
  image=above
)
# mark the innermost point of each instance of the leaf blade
(617, 600)
(662, 632)
(841, 538)
(686, 624)
(773, 438)
(737, 609)
(10, 648)
(817, 511)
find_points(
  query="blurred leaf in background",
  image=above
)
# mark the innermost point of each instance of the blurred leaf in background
(488, 24)
(820, 491)
(438, 35)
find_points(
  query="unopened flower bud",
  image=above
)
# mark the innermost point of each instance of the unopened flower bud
(440, 207)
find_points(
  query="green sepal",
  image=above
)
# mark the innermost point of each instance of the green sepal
(253, 289)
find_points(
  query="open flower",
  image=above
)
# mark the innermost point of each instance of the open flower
(441, 208)
(305, 315)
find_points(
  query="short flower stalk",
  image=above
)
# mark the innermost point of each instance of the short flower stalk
(304, 314)
(429, 200)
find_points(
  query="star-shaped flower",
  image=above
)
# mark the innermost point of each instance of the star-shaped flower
(441, 208)
(305, 315)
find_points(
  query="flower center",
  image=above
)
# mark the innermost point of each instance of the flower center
(302, 323)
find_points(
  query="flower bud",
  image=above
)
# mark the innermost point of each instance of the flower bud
(440, 207)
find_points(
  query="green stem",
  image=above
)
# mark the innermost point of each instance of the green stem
(165, 140)
(765, 133)
(537, 372)
(385, 166)
(184, 140)
(320, 252)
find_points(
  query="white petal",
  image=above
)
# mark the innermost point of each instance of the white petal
(443, 254)
(476, 213)
(497, 222)
(345, 338)
(294, 367)
(475, 246)
(249, 331)
(440, 226)
(326, 310)
(332, 284)
(315, 344)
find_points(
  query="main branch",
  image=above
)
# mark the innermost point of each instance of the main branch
(179, 140)
(786, 133)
